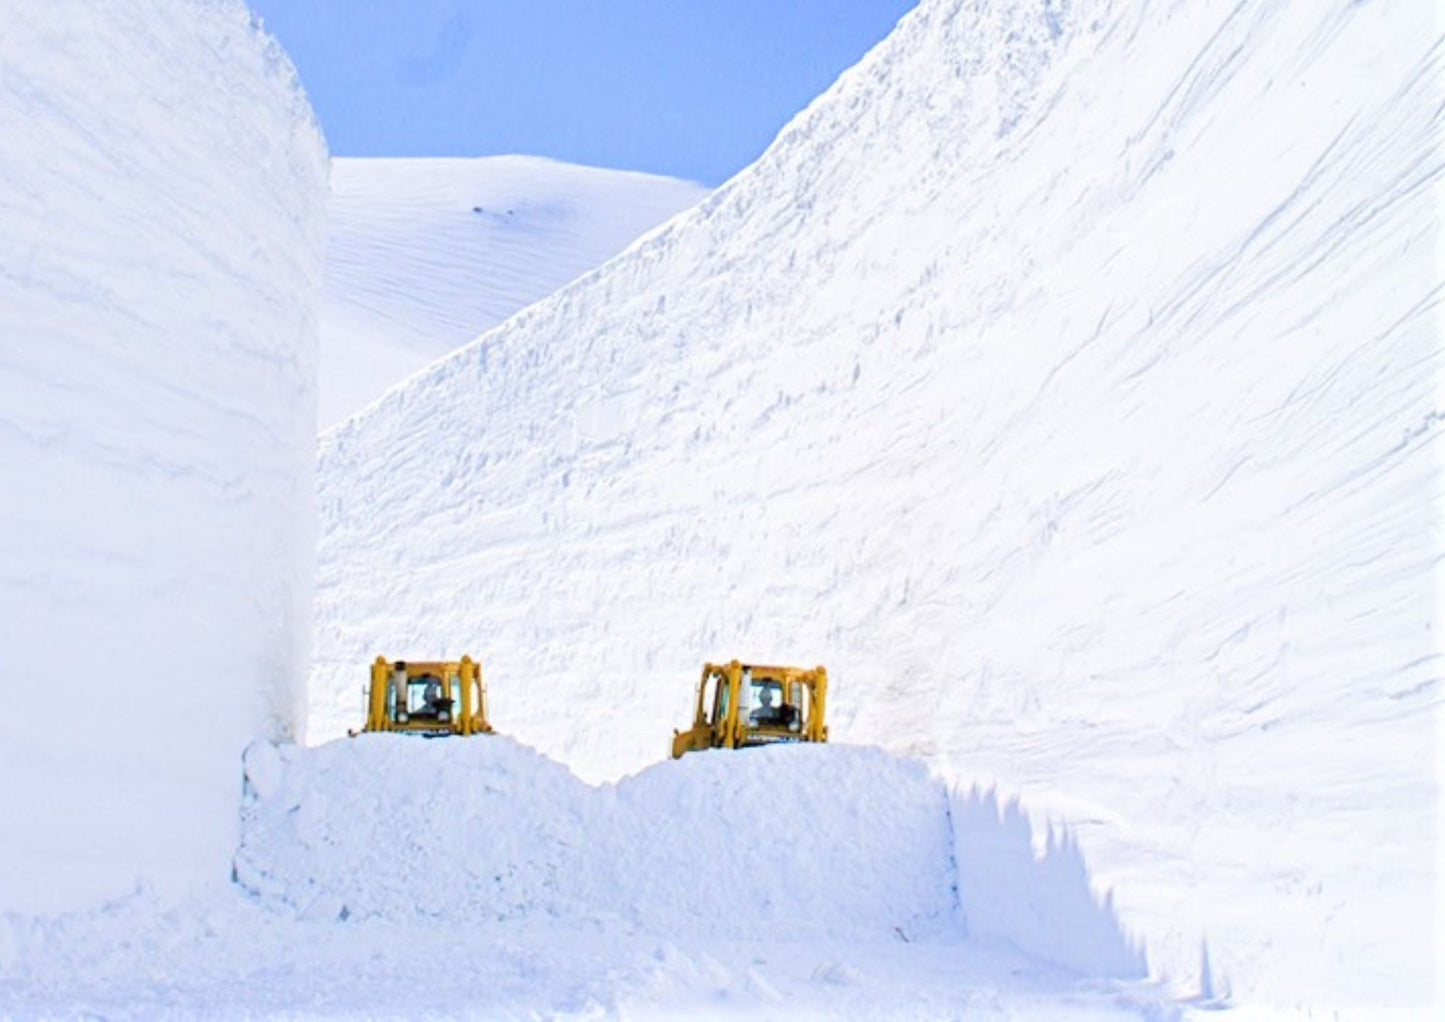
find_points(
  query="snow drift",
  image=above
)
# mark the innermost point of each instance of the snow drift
(1065, 380)
(163, 208)
(425, 254)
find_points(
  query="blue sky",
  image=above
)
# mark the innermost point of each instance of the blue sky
(691, 88)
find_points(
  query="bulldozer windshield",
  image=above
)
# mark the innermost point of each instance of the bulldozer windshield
(426, 696)
(771, 703)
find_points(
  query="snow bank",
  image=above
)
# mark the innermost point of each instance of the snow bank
(1065, 380)
(425, 254)
(163, 205)
(786, 842)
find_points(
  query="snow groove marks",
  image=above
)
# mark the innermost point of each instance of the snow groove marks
(797, 842)
(1040, 903)
(160, 266)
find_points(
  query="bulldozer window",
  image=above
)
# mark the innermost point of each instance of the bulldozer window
(716, 694)
(776, 704)
(798, 700)
(425, 696)
(766, 696)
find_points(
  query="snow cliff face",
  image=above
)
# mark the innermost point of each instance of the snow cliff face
(163, 207)
(424, 255)
(1065, 380)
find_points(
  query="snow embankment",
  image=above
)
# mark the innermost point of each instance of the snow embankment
(425, 254)
(794, 843)
(160, 271)
(1066, 380)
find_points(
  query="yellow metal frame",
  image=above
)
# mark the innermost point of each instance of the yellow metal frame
(720, 726)
(468, 715)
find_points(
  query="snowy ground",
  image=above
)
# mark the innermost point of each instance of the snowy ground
(395, 877)
(425, 254)
(226, 958)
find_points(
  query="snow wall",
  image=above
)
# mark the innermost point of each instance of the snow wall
(163, 205)
(1065, 379)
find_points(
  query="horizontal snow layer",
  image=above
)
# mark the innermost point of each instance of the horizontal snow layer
(792, 842)
(1065, 379)
(425, 254)
(162, 190)
(229, 958)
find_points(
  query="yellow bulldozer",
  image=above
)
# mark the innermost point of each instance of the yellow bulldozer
(740, 705)
(427, 697)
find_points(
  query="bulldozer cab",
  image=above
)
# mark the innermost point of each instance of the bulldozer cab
(741, 705)
(427, 697)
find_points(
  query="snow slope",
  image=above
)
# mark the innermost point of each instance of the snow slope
(157, 410)
(1065, 379)
(425, 254)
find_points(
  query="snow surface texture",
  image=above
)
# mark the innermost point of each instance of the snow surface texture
(231, 959)
(802, 843)
(160, 266)
(424, 255)
(1065, 379)
(393, 877)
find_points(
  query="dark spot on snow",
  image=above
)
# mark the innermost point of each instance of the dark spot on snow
(1053, 17)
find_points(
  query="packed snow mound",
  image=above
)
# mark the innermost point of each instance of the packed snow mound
(160, 270)
(1065, 379)
(425, 254)
(792, 842)
(388, 825)
(799, 839)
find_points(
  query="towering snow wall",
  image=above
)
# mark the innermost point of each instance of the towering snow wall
(162, 191)
(1066, 380)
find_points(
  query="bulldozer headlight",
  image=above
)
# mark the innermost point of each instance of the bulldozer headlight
(402, 718)
(443, 716)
